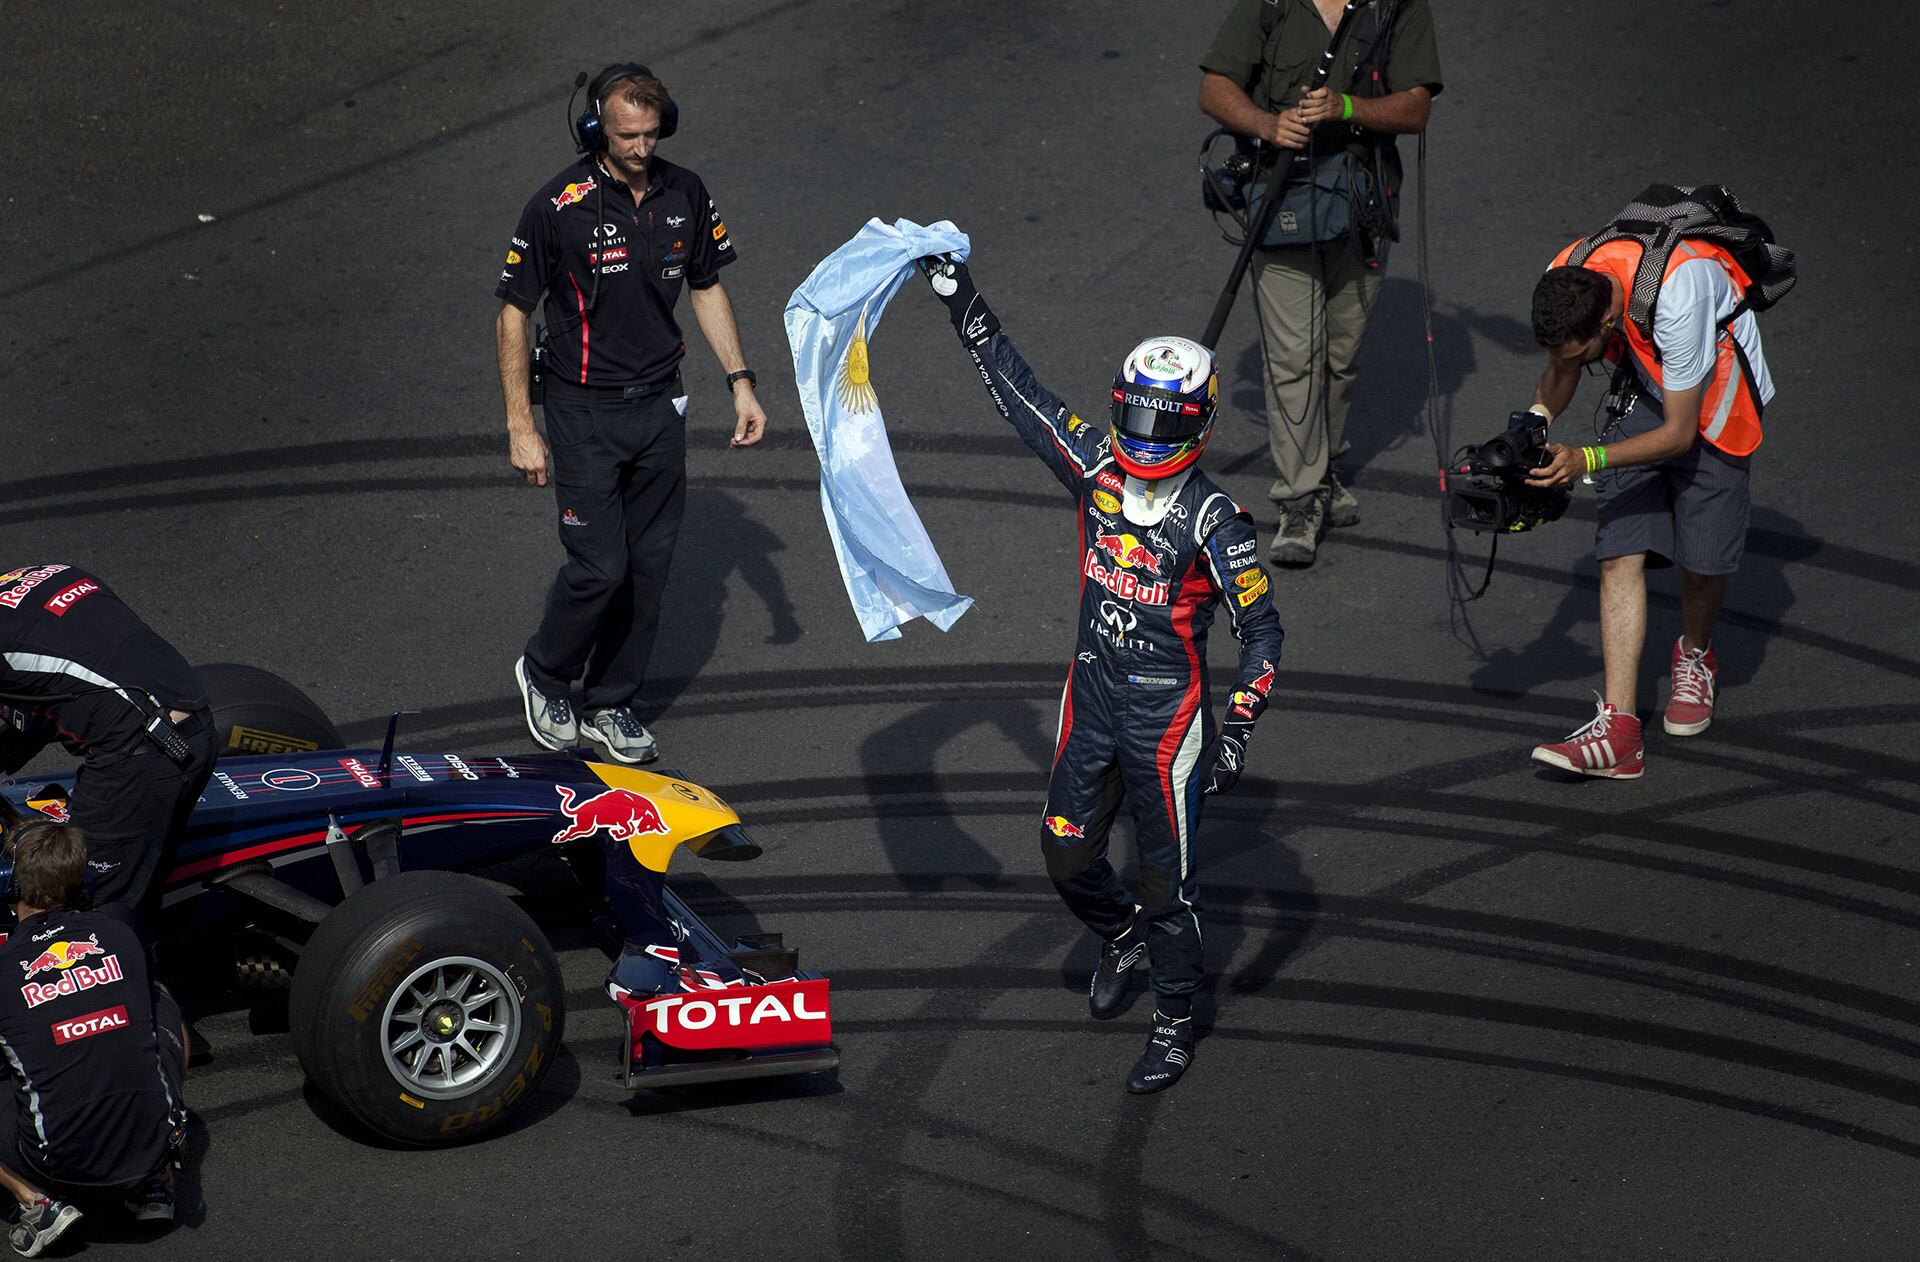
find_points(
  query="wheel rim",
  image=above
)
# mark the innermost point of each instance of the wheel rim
(450, 1027)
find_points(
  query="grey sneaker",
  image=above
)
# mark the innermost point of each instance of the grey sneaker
(621, 735)
(40, 1224)
(550, 719)
(1302, 522)
(1342, 508)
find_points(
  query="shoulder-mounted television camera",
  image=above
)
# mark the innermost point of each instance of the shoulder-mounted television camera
(1494, 495)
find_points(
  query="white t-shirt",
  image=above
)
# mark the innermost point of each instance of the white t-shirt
(1696, 296)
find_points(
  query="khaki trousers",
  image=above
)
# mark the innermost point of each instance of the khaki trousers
(1313, 308)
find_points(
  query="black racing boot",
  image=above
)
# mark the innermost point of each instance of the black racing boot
(1169, 1052)
(1114, 974)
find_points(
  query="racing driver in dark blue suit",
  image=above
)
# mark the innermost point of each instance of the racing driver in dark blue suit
(1160, 545)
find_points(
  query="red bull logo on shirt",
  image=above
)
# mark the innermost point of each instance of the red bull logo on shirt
(27, 581)
(1061, 826)
(1127, 553)
(572, 193)
(621, 812)
(64, 959)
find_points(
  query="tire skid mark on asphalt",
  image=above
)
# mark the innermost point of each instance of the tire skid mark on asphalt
(408, 155)
(1802, 550)
(1304, 815)
(757, 690)
(1633, 1031)
(1306, 794)
(896, 1026)
(1669, 604)
(869, 1216)
(1002, 1146)
(1496, 1060)
(1353, 915)
(1330, 926)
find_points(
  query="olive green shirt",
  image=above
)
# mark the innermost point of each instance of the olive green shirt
(1274, 69)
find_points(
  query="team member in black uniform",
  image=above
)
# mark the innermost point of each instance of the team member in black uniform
(79, 666)
(1160, 545)
(609, 241)
(97, 1055)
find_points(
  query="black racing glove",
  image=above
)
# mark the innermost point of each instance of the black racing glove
(973, 319)
(1227, 756)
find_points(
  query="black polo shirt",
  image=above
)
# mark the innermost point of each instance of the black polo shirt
(92, 1102)
(63, 633)
(584, 221)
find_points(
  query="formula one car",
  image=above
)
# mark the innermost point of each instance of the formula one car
(423, 1001)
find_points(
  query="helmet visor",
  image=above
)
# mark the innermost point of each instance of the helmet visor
(1152, 415)
(1150, 454)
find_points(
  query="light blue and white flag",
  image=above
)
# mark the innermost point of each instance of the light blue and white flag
(893, 575)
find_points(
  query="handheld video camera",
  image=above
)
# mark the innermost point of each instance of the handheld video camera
(1495, 495)
(1224, 179)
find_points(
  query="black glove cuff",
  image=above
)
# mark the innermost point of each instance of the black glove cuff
(976, 322)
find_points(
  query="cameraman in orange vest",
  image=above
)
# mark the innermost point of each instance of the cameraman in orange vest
(1669, 467)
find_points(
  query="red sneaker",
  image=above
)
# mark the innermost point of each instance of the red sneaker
(1690, 708)
(1610, 746)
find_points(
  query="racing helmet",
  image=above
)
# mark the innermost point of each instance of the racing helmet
(1163, 404)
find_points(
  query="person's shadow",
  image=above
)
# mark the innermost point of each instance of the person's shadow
(1389, 404)
(1568, 647)
(924, 838)
(717, 537)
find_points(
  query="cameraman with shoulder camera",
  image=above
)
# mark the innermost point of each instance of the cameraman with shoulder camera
(1318, 268)
(1669, 468)
(98, 1055)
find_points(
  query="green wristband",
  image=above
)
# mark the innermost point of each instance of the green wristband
(1602, 453)
(1346, 111)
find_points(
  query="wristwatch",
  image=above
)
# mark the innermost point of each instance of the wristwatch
(745, 374)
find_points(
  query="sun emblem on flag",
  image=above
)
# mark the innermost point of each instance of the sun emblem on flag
(856, 382)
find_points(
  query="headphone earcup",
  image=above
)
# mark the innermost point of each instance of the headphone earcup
(588, 132)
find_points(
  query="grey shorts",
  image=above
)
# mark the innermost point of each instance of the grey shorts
(1691, 510)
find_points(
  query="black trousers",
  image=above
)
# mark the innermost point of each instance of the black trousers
(131, 807)
(620, 485)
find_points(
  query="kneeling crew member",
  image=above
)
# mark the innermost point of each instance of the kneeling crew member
(98, 1056)
(1161, 546)
(77, 665)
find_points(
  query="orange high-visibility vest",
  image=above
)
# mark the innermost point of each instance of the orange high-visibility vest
(1730, 408)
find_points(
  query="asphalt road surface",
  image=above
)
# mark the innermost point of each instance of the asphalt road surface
(1464, 1008)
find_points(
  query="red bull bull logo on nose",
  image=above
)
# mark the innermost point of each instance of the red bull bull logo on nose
(1061, 826)
(621, 812)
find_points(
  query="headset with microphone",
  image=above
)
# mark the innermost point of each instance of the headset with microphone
(590, 136)
(589, 131)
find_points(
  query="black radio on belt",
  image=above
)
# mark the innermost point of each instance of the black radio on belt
(536, 365)
(162, 732)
